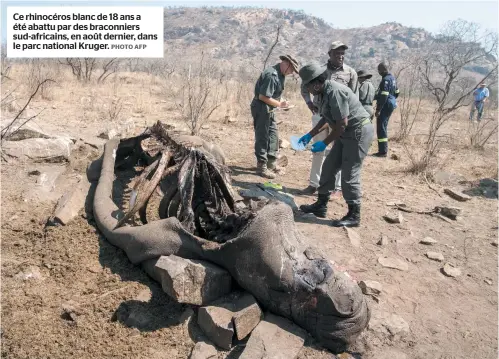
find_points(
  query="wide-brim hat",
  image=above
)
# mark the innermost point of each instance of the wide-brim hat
(291, 60)
(336, 45)
(311, 71)
(362, 73)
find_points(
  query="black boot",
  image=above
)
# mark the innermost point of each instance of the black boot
(352, 218)
(319, 208)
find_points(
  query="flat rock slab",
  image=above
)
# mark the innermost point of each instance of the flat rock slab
(436, 256)
(203, 350)
(451, 271)
(389, 326)
(428, 241)
(394, 217)
(247, 317)
(30, 273)
(216, 323)
(236, 314)
(40, 149)
(35, 128)
(354, 237)
(28, 130)
(449, 212)
(457, 195)
(274, 337)
(394, 263)
(192, 281)
(71, 203)
(47, 183)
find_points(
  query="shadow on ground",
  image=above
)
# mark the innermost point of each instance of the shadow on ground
(238, 170)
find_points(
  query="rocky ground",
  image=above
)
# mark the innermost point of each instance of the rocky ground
(66, 292)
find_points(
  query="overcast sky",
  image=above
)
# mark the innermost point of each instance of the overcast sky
(429, 15)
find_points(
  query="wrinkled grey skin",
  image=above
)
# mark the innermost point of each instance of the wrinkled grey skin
(267, 258)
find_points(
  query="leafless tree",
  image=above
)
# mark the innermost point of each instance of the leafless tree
(460, 44)
(108, 67)
(273, 45)
(409, 103)
(201, 94)
(5, 65)
(85, 68)
(6, 131)
(481, 132)
(37, 71)
(82, 68)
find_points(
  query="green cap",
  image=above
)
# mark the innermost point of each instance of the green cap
(311, 71)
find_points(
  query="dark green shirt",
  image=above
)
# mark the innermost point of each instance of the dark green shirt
(270, 83)
(338, 102)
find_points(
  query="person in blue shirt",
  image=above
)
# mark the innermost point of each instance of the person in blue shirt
(480, 97)
(386, 102)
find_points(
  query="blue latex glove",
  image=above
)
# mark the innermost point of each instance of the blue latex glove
(318, 146)
(305, 139)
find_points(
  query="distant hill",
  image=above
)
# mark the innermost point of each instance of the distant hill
(240, 36)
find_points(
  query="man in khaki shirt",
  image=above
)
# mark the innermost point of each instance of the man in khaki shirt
(340, 72)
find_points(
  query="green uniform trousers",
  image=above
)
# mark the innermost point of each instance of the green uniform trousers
(370, 111)
(347, 155)
(266, 137)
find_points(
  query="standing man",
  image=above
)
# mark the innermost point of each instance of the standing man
(351, 132)
(480, 96)
(337, 71)
(386, 102)
(366, 92)
(268, 91)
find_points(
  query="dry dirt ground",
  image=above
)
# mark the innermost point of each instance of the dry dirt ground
(122, 313)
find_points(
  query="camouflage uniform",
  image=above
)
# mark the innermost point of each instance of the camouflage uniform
(344, 75)
(269, 84)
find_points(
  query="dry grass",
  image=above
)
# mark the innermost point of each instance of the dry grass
(89, 108)
(145, 98)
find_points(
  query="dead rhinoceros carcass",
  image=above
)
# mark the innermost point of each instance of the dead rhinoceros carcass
(200, 219)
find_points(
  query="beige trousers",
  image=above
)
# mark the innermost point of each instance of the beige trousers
(319, 157)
